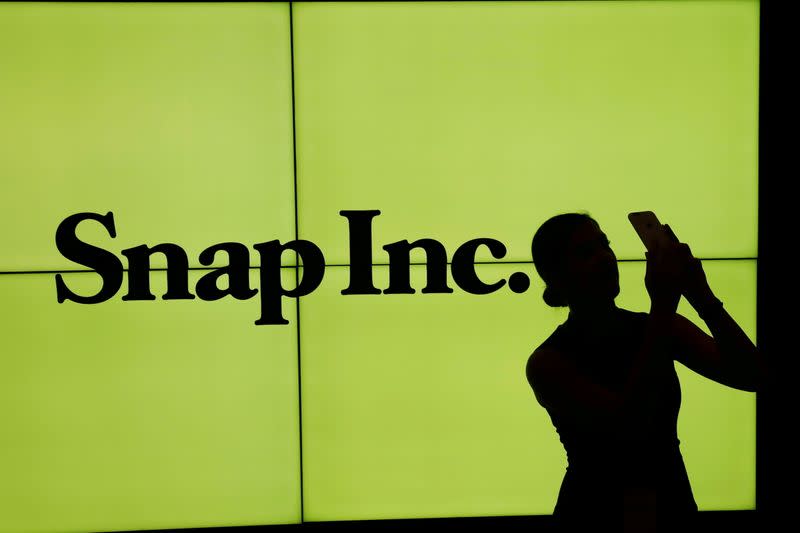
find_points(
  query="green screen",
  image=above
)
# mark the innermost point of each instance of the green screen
(139, 415)
(197, 124)
(175, 117)
(417, 405)
(484, 118)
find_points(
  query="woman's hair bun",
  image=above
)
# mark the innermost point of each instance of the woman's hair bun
(553, 298)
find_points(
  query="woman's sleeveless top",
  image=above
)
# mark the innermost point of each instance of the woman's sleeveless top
(603, 462)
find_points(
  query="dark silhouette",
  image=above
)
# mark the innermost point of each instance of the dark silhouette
(607, 379)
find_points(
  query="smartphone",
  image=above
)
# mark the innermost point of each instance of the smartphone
(650, 230)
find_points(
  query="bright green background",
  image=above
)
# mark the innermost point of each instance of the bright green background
(144, 415)
(456, 120)
(175, 117)
(417, 405)
(484, 119)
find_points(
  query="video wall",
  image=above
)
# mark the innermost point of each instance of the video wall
(207, 123)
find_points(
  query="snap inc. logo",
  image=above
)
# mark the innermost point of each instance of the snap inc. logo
(109, 266)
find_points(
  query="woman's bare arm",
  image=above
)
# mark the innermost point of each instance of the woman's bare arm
(728, 356)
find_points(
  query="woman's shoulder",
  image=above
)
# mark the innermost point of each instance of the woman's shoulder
(548, 349)
(562, 339)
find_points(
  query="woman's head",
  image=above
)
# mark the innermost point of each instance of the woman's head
(573, 257)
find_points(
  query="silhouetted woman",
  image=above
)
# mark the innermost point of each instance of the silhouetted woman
(606, 377)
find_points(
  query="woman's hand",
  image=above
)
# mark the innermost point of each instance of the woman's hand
(668, 275)
(694, 285)
(673, 271)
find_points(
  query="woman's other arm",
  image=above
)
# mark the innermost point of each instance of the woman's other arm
(728, 356)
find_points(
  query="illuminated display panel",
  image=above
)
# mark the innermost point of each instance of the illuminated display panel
(482, 118)
(175, 117)
(130, 415)
(417, 405)
(492, 118)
